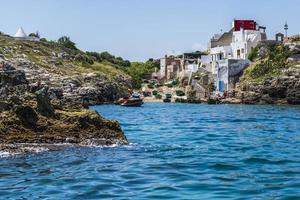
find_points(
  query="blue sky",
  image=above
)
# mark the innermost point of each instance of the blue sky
(141, 29)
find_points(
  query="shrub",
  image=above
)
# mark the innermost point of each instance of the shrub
(296, 39)
(158, 96)
(95, 55)
(66, 42)
(84, 59)
(154, 92)
(43, 40)
(138, 70)
(151, 86)
(253, 54)
(180, 93)
(273, 64)
(37, 35)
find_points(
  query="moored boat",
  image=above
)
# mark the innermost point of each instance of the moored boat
(134, 101)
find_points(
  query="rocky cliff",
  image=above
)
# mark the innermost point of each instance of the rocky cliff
(71, 75)
(274, 76)
(44, 88)
(29, 116)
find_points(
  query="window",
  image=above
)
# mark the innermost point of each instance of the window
(238, 53)
(220, 56)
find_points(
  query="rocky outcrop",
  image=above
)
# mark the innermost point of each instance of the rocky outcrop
(68, 79)
(11, 76)
(274, 77)
(89, 88)
(273, 90)
(28, 115)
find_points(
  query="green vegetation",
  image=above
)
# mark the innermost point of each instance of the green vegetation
(63, 57)
(84, 59)
(59, 58)
(154, 92)
(168, 95)
(273, 62)
(105, 56)
(158, 96)
(180, 93)
(37, 35)
(253, 54)
(171, 84)
(66, 42)
(138, 71)
(296, 39)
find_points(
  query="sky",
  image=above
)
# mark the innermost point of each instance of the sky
(142, 29)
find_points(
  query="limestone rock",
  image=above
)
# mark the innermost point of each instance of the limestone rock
(43, 103)
(27, 115)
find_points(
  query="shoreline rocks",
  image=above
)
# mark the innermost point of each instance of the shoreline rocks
(284, 89)
(29, 116)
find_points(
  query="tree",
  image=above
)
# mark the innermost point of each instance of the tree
(107, 56)
(138, 71)
(66, 42)
(36, 35)
(43, 40)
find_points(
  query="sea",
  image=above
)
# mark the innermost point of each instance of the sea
(175, 151)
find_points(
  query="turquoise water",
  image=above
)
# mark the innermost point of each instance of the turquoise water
(177, 151)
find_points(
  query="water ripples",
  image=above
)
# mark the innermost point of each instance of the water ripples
(176, 152)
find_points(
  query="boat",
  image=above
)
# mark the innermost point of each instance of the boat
(134, 101)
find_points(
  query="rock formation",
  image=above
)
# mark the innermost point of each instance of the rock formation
(274, 77)
(67, 78)
(28, 115)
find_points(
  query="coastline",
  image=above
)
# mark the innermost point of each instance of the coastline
(29, 117)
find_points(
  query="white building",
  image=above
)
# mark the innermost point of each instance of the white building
(244, 41)
(235, 44)
(21, 35)
(229, 52)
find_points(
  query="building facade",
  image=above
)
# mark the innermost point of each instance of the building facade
(228, 53)
(172, 67)
(235, 44)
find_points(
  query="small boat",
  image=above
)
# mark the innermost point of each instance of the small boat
(134, 101)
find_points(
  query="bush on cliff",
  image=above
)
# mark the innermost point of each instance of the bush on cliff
(66, 42)
(296, 38)
(84, 58)
(253, 54)
(105, 56)
(270, 64)
(138, 70)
